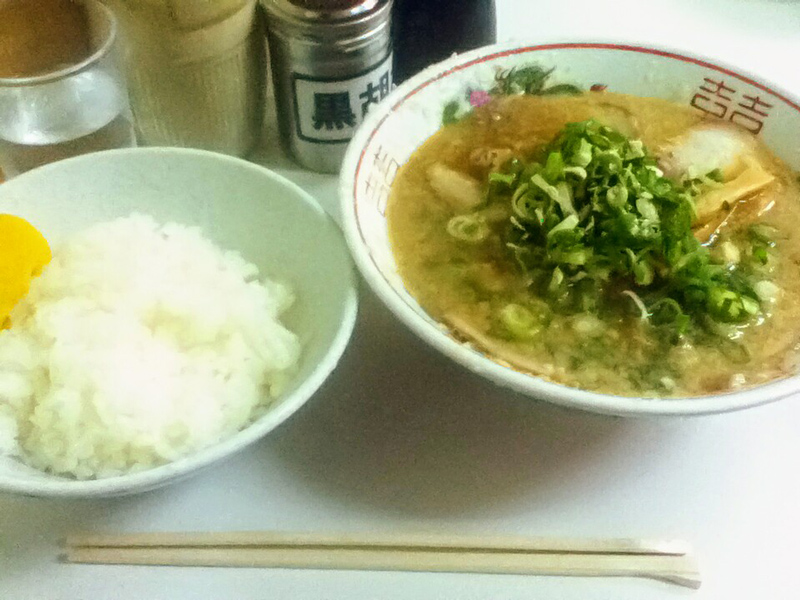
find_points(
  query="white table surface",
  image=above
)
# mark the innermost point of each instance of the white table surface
(402, 439)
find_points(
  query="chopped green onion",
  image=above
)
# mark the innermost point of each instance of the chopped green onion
(643, 273)
(582, 155)
(522, 323)
(617, 196)
(468, 228)
(750, 305)
(554, 167)
(596, 213)
(635, 150)
(760, 254)
(579, 171)
(556, 280)
(647, 209)
(560, 193)
(728, 306)
(504, 178)
(667, 311)
(568, 223)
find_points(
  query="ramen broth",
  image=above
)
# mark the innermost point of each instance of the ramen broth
(465, 285)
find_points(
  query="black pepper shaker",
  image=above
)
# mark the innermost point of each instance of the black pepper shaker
(428, 31)
(331, 64)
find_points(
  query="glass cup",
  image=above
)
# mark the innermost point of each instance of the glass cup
(64, 96)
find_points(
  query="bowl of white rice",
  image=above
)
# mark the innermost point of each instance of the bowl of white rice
(193, 303)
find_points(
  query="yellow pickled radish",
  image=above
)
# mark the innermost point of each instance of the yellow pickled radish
(23, 254)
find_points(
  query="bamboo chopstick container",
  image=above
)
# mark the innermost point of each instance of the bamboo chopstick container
(196, 72)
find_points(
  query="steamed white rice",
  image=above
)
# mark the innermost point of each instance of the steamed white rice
(137, 345)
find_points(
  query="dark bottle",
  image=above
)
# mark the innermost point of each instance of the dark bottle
(428, 31)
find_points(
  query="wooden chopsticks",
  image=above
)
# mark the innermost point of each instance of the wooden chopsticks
(670, 561)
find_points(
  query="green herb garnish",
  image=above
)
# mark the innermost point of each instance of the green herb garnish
(594, 217)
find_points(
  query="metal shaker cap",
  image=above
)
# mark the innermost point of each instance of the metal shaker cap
(327, 20)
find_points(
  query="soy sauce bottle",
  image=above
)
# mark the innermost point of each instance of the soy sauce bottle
(428, 31)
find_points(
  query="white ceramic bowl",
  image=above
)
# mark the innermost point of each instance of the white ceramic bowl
(241, 206)
(413, 112)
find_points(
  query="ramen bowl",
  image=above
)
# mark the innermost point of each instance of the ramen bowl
(414, 112)
(240, 206)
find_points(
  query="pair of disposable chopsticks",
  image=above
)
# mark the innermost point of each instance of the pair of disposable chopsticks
(669, 561)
